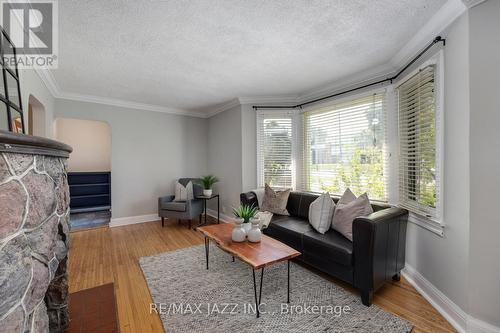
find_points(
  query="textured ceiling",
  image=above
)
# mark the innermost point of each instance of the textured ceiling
(198, 53)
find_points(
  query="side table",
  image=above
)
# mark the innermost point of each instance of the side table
(205, 199)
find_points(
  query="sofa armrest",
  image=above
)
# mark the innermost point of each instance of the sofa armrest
(379, 241)
(249, 198)
(165, 199)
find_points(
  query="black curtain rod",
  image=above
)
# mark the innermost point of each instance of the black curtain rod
(436, 40)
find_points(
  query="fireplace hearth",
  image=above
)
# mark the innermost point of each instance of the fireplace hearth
(34, 234)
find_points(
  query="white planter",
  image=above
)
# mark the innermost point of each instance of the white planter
(207, 193)
(247, 226)
(254, 234)
(239, 234)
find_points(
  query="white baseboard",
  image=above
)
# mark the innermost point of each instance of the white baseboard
(457, 317)
(449, 310)
(224, 218)
(121, 221)
(478, 326)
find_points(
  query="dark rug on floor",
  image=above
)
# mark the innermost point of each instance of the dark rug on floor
(93, 310)
(191, 299)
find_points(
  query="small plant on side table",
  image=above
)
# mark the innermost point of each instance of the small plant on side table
(207, 182)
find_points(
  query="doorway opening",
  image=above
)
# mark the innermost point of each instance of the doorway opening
(36, 117)
(89, 170)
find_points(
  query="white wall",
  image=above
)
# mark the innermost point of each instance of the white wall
(484, 259)
(31, 84)
(149, 151)
(224, 157)
(443, 261)
(91, 142)
(248, 148)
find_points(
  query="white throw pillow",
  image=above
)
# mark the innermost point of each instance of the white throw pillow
(184, 193)
(321, 213)
(346, 213)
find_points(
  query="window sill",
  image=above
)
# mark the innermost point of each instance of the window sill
(426, 223)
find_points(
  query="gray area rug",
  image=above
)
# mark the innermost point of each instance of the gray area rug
(191, 299)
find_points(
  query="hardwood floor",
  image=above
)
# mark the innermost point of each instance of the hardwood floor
(106, 255)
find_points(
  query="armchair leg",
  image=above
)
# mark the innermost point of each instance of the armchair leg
(366, 297)
(189, 224)
(162, 222)
(396, 277)
(178, 221)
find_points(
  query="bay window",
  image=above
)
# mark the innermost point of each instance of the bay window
(344, 147)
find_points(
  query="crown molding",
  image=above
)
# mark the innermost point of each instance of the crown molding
(128, 104)
(472, 3)
(359, 78)
(48, 79)
(450, 11)
(270, 100)
(210, 112)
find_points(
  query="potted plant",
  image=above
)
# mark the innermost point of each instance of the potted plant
(207, 182)
(245, 212)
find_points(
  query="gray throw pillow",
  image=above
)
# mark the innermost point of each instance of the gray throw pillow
(184, 193)
(275, 202)
(346, 213)
(321, 213)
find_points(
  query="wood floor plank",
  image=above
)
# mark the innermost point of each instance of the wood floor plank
(106, 255)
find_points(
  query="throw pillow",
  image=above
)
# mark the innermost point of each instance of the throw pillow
(184, 193)
(347, 197)
(346, 213)
(275, 202)
(321, 213)
(265, 219)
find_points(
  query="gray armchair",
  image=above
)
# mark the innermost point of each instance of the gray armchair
(182, 210)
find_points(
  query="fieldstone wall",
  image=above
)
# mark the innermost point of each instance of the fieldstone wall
(34, 242)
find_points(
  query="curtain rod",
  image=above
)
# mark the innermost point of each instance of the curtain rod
(436, 40)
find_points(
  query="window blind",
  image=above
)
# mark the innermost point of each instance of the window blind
(418, 177)
(344, 147)
(274, 149)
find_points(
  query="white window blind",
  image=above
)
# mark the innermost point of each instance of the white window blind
(274, 149)
(344, 146)
(418, 174)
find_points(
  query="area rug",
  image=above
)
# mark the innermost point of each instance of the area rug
(190, 298)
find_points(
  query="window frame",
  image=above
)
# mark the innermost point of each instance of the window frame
(277, 114)
(345, 99)
(436, 223)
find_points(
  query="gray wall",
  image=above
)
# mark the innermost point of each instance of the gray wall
(149, 151)
(484, 267)
(224, 157)
(443, 261)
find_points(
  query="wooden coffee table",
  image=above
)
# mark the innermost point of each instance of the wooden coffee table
(257, 255)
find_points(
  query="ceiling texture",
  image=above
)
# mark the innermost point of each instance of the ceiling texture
(197, 54)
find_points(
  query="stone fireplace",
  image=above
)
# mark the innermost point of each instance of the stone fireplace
(34, 239)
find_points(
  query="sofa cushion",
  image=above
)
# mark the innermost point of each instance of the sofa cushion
(331, 246)
(305, 201)
(289, 230)
(177, 206)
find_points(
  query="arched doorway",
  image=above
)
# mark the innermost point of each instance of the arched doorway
(36, 117)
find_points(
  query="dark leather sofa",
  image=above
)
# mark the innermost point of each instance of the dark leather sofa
(376, 254)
